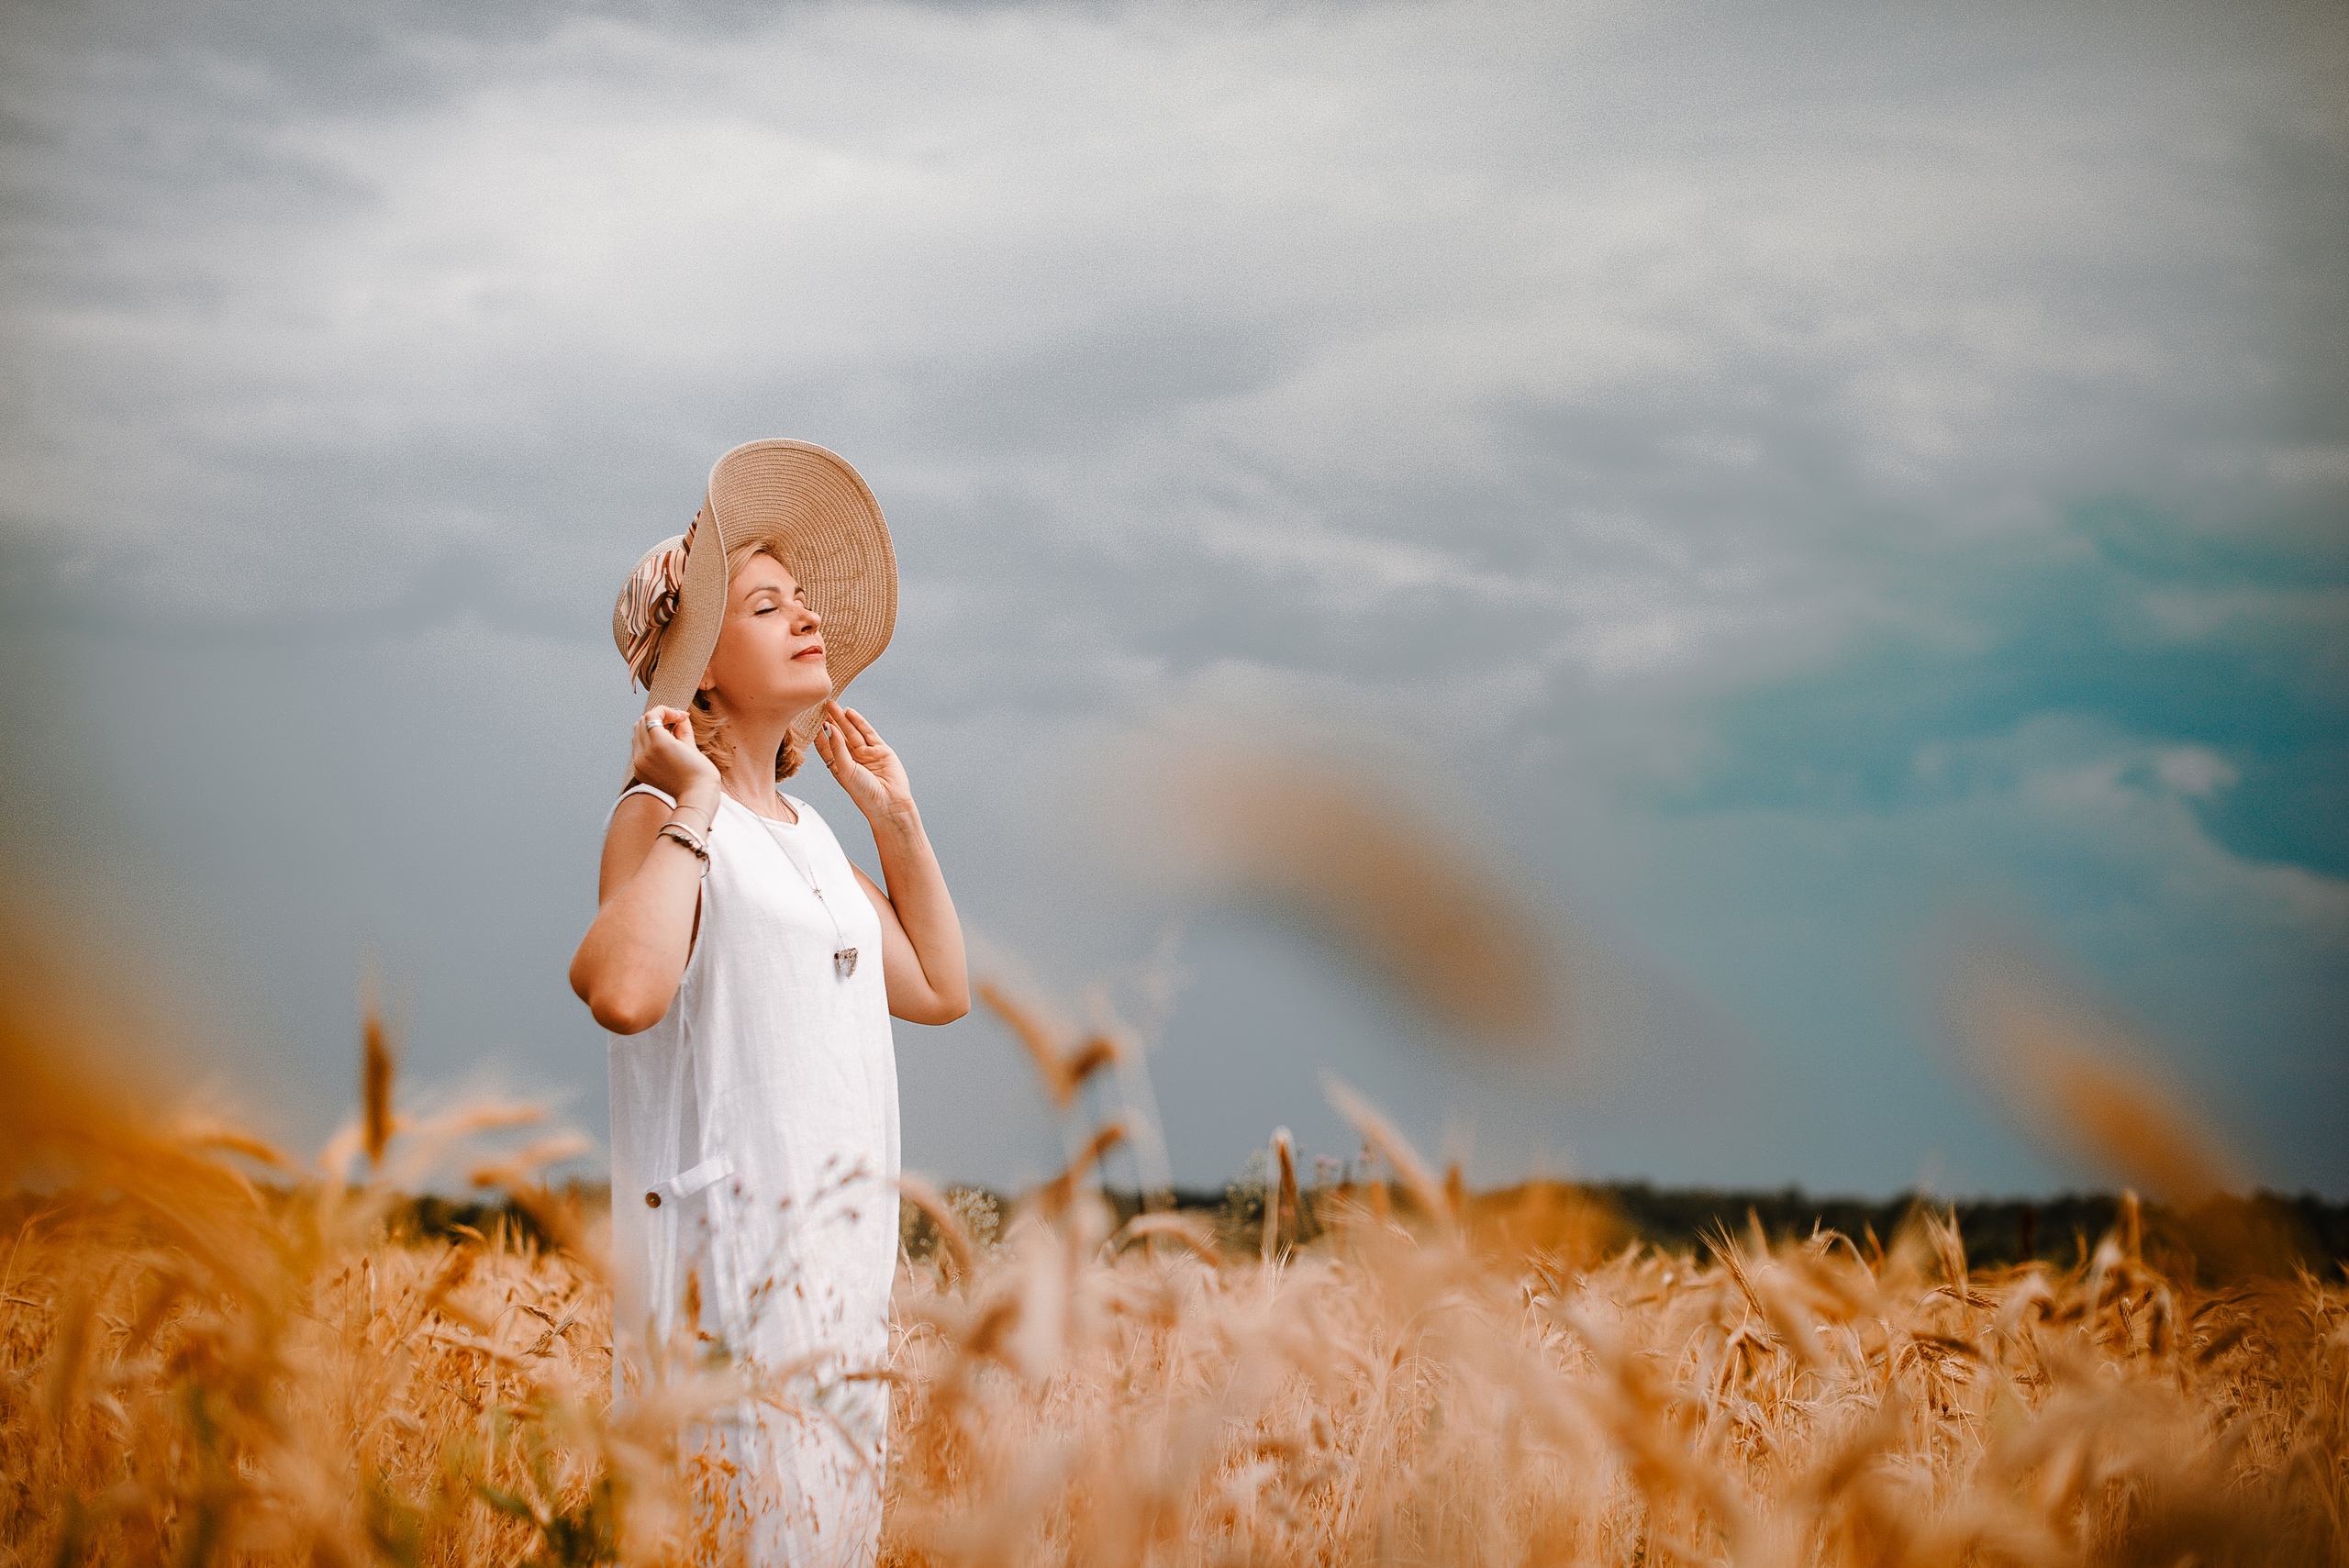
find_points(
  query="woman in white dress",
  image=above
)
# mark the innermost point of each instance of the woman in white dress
(747, 973)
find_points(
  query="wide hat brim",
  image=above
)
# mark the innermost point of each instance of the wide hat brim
(816, 515)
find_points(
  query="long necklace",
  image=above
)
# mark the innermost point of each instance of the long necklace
(843, 955)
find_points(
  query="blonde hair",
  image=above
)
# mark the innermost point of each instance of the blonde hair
(710, 726)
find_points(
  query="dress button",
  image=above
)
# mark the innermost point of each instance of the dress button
(653, 1200)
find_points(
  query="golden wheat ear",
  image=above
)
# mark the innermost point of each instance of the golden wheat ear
(1380, 1135)
(376, 1069)
(1063, 1065)
(1055, 1196)
(953, 1236)
(1189, 1231)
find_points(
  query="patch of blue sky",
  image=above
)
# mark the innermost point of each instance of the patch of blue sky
(2255, 686)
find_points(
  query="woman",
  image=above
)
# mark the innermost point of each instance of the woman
(747, 973)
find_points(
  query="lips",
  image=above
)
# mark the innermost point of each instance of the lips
(815, 651)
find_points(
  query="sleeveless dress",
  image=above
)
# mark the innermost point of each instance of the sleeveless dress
(754, 1200)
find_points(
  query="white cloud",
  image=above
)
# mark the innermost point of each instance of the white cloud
(2195, 771)
(2128, 806)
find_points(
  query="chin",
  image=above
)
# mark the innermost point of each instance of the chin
(814, 694)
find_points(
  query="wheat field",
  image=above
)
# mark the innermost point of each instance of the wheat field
(208, 1354)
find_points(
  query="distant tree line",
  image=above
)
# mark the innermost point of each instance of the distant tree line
(2264, 1232)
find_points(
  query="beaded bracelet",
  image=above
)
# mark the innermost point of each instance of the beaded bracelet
(688, 837)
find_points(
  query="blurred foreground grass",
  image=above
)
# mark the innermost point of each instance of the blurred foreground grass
(195, 1366)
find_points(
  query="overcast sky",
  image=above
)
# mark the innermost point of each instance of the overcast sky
(1796, 480)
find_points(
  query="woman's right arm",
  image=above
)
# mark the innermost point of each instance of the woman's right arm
(649, 895)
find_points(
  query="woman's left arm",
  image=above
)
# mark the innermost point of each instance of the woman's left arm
(921, 937)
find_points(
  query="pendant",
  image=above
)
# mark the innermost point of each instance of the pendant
(844, 959)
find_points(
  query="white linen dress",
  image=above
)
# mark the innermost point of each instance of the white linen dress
(754, 1199)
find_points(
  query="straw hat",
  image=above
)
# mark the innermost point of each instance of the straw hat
(816, 515)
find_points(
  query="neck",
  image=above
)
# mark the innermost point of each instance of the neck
(746, 760)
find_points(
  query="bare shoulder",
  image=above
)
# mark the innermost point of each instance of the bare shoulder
(650, 810)
(635, 823)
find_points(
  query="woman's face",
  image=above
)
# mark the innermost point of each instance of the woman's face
(770, 653)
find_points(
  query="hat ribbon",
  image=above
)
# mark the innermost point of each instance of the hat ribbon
(649, 603)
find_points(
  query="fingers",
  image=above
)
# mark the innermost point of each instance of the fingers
(862, 736)
(835, 729)
(831, 748)
(663, 732)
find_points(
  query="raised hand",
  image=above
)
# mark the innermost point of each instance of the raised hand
(863, 762)
(921, 940)
(661, 753)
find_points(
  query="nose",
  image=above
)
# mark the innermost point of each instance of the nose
(808, 619)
